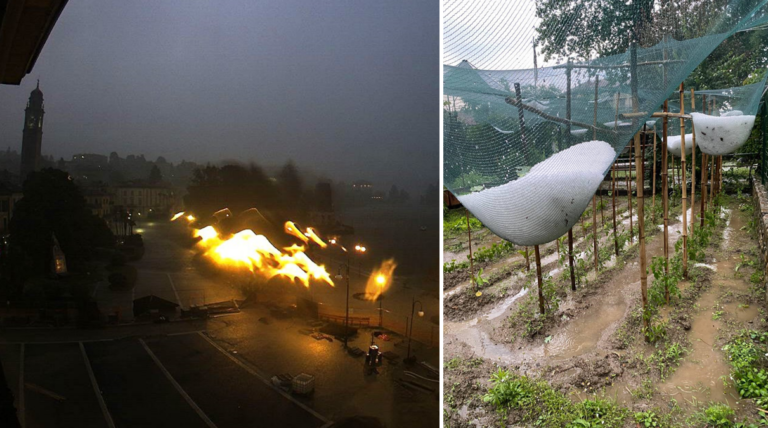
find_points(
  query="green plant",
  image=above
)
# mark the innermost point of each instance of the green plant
(647, 419)
(719, 415)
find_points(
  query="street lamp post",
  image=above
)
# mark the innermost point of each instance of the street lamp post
(410, 330)
(346, 321)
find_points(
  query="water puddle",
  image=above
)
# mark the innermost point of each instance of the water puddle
(700, 378)
(578, 338)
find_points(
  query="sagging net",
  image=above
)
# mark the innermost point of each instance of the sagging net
(526, 149)
(722, 119)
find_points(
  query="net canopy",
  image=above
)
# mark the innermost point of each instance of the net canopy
(723, 118)
(525, 148)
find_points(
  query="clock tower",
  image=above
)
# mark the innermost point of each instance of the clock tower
(32, 140)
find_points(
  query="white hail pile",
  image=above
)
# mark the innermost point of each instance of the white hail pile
(674, 143)
(542, 205)
(720, 135)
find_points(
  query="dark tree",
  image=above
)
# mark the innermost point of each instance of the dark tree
(53, 206)
(155, 176)
(231, 186)
(590, 27)
(291, 187)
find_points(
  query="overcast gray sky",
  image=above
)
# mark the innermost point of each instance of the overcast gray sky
(351, 87)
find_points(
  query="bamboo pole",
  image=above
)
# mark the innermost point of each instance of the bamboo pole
(653, 189)
(639, 185)
(684, 193)
(693, 165)
(539, 279)
(629, 193)
(570, 258)
(703, 187)
(594, 229)
(527, 260)
(641, 225)
(613, 205)
(664, 187)
(471, 261)
(712, 180)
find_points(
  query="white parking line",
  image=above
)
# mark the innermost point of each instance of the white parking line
(174, 290)
(96, 389)
(22, 418)
(253, 371)
(178, 387)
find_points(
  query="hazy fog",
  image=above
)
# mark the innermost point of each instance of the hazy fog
(350, 87)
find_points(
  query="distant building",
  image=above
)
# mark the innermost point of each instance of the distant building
(89, 167)
(99, 201)
(362, 191)
(143, 199)
(32, 139)
(9, 196)
(323, 216)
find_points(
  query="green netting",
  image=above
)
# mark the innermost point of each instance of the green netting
(525, 149)
(723, 118)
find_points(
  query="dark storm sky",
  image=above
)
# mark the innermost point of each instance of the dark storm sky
(350, 87)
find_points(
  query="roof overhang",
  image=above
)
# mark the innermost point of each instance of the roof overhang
(24, 29)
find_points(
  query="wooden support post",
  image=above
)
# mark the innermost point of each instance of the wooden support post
(629, 192)
(702, 210)
(539, 279)
(712, 180)
(641, 224)
(594, 229)
(471, 261)
(527, 260)
(653, 189)
(693, 165)
(639, 184)
(521, 118)
(684, 192)
(570, 258)
(613, 205)
(568, 102)
(664, 186)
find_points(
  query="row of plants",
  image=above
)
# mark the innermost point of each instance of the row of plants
(536, 403)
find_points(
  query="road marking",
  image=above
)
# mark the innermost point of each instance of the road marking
(178, 387)
(174, 290)
(253, 371)
(96, 389)
(22, 418)
(39, 389)
(95, 290)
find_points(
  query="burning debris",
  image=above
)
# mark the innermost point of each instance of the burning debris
(248, 250)
(380, 280)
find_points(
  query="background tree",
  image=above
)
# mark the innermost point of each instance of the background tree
(155, 176)
(52, 205)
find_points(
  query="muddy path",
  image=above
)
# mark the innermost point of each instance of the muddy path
(591, 348)
(506, 277)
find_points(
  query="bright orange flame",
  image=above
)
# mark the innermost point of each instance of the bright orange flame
(206, 234)
(247, 250)
(176, 216)
(292, 230)
(316, 239)
(380, 280)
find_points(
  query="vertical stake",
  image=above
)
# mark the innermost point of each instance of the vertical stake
(538, 277)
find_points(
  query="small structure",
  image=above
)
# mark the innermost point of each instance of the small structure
(152, 304)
